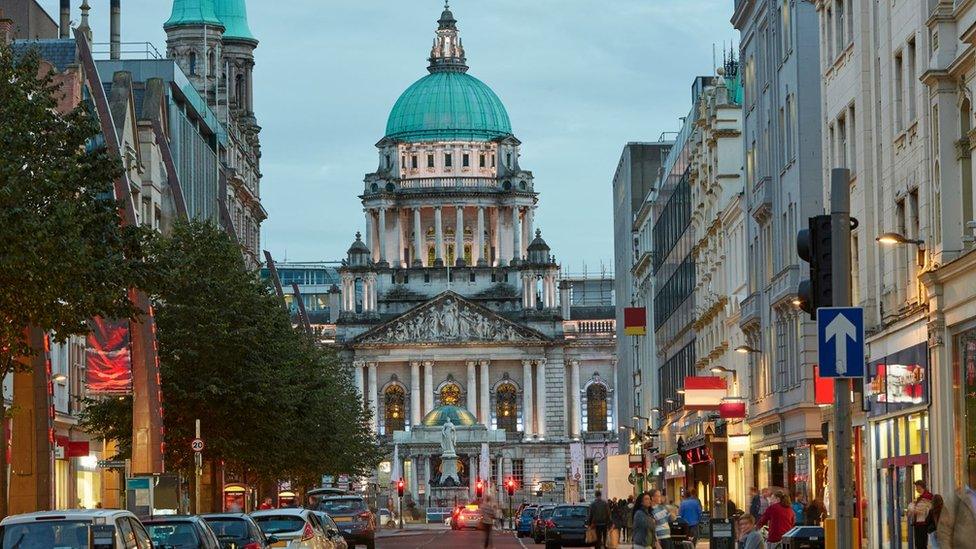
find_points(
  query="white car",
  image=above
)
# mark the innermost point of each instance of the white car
(107, 528)
(293, 528)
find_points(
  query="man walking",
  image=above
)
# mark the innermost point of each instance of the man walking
(690, 510)
(661, 515)
(598, 517)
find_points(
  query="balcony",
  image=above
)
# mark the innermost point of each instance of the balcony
(422, 183)
(785, 285)
(750, 310)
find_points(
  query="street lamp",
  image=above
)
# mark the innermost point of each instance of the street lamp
(746, 349)
(898, 239)
(59, 378)
(724, 370)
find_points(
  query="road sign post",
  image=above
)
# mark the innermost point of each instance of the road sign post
(840, 222)
(197, 446)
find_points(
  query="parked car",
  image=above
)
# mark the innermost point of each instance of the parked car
(107, 529)
(332, 530)
(526, 516)
(566, 527)
(356, 523)
(293, 527)
(238, 531)
(539, 524)
(182, 532)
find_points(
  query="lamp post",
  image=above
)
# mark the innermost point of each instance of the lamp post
(724, 370)
(746, 349)
(898, 239)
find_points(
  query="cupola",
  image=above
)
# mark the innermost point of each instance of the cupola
(358, 254)
(538, 250)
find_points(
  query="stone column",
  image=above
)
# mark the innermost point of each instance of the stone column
(459, 235)
(414, 478)
(370, 239)
(471, 402)
(372, 396)
(472, 472)
(527, 398)
(419, 252)
(478, 253)
(415, 405)
(357, 375)
(496, 243)
(942, 469)
(576, 417)
(428, 386)
(516, 240)
(382, 235)
(398, 238)
(439, 236)
(484, 415)
(369, 293)
(526, 232)
(540, 397)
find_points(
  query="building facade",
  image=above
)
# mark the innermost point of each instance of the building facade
(783, 187)
(452, 300)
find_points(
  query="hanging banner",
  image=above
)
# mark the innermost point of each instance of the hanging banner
(704, 393)
(484, 464)
(635, 321)
(732, 409)
(576, 459)
(396, 473)
(108, 360)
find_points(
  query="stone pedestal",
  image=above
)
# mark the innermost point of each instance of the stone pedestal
(449, 471)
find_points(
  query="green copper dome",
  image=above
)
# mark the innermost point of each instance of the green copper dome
(192, 12)
(458, 416)
(448, 105)
(233, 14)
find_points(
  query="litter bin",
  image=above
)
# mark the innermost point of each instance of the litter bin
(804, 537)
(722, 534)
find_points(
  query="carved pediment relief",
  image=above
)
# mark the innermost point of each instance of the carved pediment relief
(450, 318)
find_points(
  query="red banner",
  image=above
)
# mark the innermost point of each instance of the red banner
(732, 409)
(109, 358)
(635, 321)
(823, 388)
(704, 393)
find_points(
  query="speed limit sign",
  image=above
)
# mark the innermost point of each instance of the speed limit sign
(197, 445)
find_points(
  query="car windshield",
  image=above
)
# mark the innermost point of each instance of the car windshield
(62, 534)
(228, 527)
(342, 506)
(575, 512)
(545, 512)
(173, 534)
(275, 524)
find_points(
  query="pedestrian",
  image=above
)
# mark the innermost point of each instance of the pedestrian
(957, 524)
(598, 518)
(629, 517)
(618, 515)
(755, 502)
(779, 517)
(816, 512)
(266, 504)
(918, 514)
(690, 510)
(488, 514)
(661, 515)
(932, 522)
(749, 537)
(644, 527)
(799, 509)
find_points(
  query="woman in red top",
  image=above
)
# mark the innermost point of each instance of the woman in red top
(779, 517)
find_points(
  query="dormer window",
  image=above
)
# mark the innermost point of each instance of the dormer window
(447, 160)
(465, 160)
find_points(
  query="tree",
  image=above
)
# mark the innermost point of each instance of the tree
(66, 257)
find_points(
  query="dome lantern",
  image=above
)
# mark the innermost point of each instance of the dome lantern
(538, 250)
(358, 254)
(447, 54)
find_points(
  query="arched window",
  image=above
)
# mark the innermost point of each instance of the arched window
(431, 256)
(395, 400)
(211, 64)
(193, 63)
(506, 407)
(239, 90)
(451, 395)
(596, 407)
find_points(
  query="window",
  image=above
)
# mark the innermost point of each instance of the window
(851, 122)
(506, 407)
(431, 256)
(125, 532)
(596, 408)
(518, 472)
(899, 90)
(787, 28)
(451, 395)
(142, 537)
(790, 127)
(912, 81)
(481, 161)
(589, 474)
(842, 142)
(465, 160)
(430, 161)
(395, 400)
(193, 63)
(413, 162)
(448, 162)
(508, 159)
(389, 162)
(840, 34)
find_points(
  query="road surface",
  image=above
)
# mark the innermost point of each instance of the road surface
(448, 539)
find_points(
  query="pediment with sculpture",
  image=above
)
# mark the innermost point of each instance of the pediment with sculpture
(450, 319)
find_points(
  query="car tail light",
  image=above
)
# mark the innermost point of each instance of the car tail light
(307, 533)
(364, 515)
(252, 545)
(550, 524)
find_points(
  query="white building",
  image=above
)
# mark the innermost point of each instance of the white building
(452, 305)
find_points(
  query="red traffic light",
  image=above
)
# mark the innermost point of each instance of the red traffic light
(400, 487)
(479, 488)
(510, 486)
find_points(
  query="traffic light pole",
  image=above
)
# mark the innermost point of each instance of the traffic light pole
(840, 221)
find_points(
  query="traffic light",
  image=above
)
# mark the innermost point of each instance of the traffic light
(479, 488)
(400, 487)
(510, 486)
(813, 246)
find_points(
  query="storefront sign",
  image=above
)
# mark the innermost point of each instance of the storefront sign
(698, 455)
(704, 392)
(898, 381)
(674, 467)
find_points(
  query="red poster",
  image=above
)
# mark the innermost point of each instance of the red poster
(109, 360)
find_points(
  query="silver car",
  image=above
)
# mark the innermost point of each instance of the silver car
(106, 528)
(293, 528)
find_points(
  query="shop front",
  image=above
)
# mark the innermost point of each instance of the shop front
(896, 400)
(675, 473)
(965, 424)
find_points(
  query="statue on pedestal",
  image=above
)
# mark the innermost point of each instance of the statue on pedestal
(449, 473)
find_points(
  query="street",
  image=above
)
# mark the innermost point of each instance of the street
(443, 538)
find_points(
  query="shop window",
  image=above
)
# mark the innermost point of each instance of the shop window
(596, 407)
(395, 398)
(506, 407)
(965, 357)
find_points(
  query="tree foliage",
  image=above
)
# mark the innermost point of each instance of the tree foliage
(269, 400)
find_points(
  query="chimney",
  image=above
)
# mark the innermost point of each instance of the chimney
(65, 26)
(115, 29)
(6, 28)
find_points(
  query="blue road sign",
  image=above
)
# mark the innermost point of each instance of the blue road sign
(840, 341)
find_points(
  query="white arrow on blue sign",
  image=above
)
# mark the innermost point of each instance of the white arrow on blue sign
(840, 341)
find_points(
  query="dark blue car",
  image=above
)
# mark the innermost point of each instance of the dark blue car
(524, 526)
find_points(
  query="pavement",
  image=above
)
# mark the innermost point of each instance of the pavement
(438, 536)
